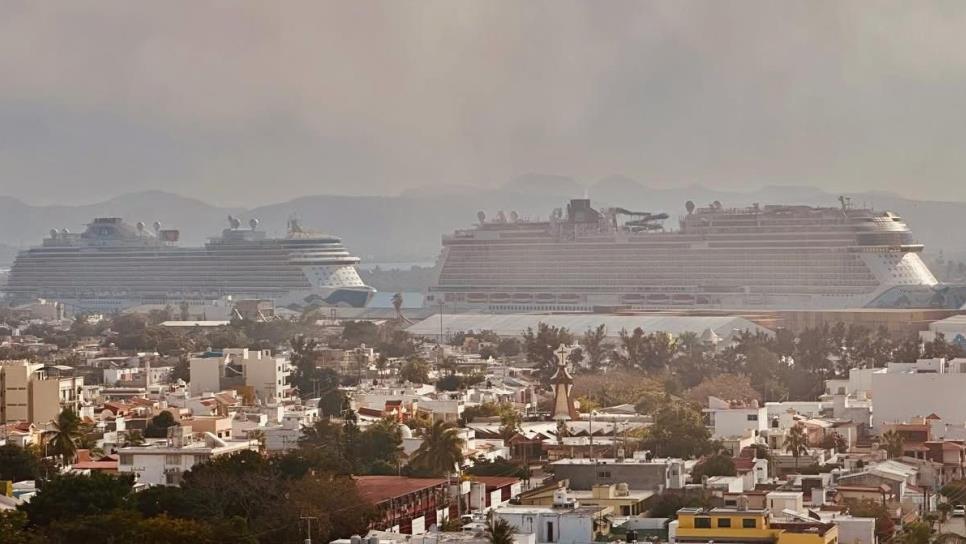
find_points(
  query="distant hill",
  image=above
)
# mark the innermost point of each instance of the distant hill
(408, 227)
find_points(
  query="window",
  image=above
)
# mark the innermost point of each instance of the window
(702, 523)
(603, 474)
(749, 523)
(724, 523)
(126, 459)
(550, 531)
(172, 459)
(752, 417)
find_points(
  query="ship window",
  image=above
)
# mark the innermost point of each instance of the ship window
(724, 523)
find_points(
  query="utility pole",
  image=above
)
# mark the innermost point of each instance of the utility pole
(308, 522)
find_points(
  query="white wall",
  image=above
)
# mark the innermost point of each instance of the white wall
(901, 397)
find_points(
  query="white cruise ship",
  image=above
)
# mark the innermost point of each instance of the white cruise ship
(114, 265)
(761, 257)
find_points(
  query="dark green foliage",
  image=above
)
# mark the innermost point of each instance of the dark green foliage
(668, 503)
(158, 426)
(678, 431)
(718, 464)
(18, 463)
(68, 496)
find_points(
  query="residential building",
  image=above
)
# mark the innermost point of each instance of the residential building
(405, 505)
(165, 462)
(638, 474)
(617, 499)
(735, 418)
(36, 393)
(257, 371)
(699, 525)
(564, 522)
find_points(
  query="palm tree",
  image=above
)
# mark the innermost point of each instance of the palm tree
(796, 443)
(134, 438)
(441, 450)
(397, 302)
(892, 442)
(66, 431)
(499, 531)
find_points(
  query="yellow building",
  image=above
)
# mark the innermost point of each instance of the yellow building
(749, 525)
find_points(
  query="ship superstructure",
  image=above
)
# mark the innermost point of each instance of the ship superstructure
(114, 265)
(770, 257)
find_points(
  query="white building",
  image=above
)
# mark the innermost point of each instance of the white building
(165, 462)
(566, 522)
(735, 419)
(266, 375)
(902, 392)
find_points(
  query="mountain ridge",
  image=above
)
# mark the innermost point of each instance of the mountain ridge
(408, 226)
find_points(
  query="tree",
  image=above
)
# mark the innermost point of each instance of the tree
(333, 403)
(541, 346)
(594, 347)
(69, 496)
(66, 431)
(718, 464)
(17, 464)
(13, 529)
(379, 448)
(440, 452)
(916, 532)
(892, 442)
(159, 424)
(499, 531)
(796, 442)
(304, 374)
(415, 371)
(835, 442)
(884, 526)
(509, 347)
(678, 431)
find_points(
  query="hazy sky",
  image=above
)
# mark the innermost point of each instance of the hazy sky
(243, 103)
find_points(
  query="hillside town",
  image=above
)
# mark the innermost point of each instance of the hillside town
(537, 429)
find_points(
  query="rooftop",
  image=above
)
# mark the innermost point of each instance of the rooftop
(376, 489)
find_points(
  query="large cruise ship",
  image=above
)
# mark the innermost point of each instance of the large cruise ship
(113, 265)
(764, 257)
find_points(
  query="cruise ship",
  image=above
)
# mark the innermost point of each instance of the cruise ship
(113, 265)
(759, 257)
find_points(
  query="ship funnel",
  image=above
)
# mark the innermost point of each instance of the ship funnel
(157, 226)
(253, 223)
(140, 226)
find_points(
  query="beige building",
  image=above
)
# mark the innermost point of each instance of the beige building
(237, 368)
(36, 393)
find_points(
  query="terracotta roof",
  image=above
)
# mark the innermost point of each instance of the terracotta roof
(933, 416)
(363, 411)
(95, 465)
(377, 489)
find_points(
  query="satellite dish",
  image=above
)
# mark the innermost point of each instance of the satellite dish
(253, 223)
(53, 233)
(233, 222)
(689, 206)
(514, 216)
(157, 226)
(65, 231)
(140, 226)
(481, 216)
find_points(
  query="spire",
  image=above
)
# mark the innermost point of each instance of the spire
(563, 384)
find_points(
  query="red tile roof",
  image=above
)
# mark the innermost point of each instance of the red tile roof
(377, 489)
